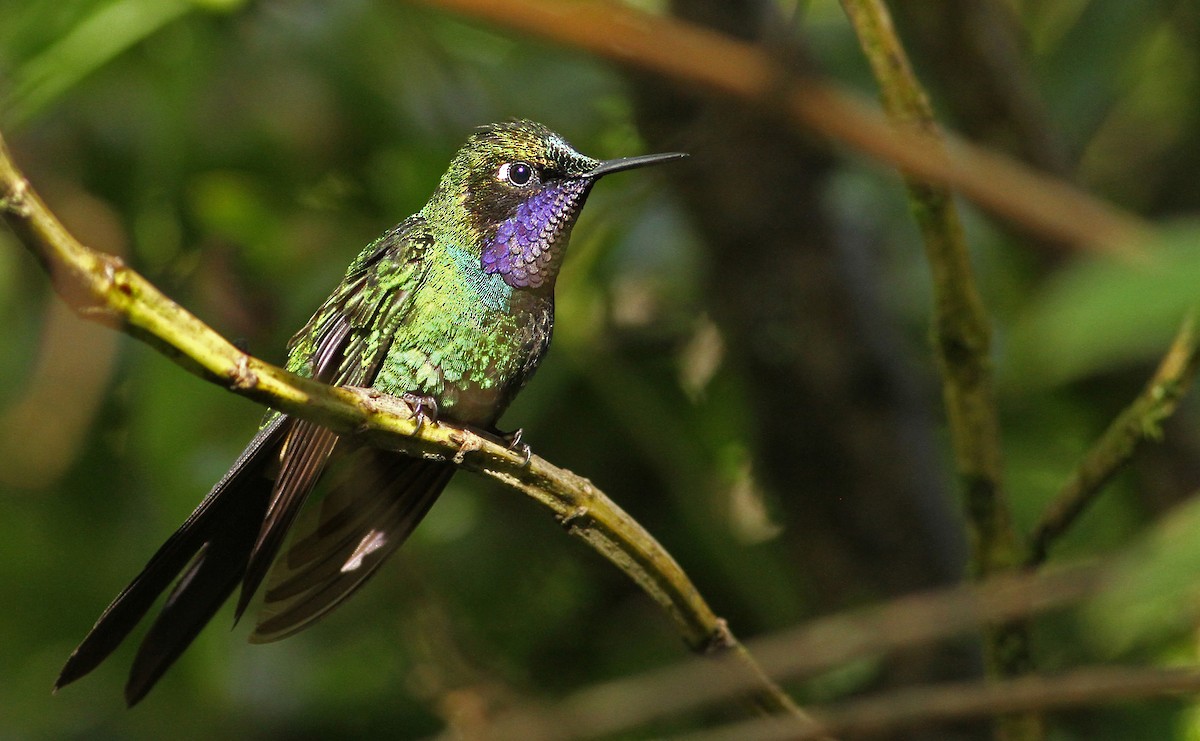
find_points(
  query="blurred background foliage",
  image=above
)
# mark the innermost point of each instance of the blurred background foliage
(741, 357)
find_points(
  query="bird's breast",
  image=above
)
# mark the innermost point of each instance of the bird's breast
(469, 342)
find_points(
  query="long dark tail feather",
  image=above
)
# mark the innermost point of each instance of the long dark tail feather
(374, 501)
(240, 496)
(308, 447)
(208, 582)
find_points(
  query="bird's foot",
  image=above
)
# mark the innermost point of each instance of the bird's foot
(424, 409)
(512, 440)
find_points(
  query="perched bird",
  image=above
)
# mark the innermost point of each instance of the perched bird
(453, 310)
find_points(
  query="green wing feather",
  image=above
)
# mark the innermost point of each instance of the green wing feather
(344, 343)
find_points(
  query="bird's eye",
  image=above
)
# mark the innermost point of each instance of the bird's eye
(519, 174)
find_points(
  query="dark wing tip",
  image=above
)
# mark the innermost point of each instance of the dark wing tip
(65, 676)
(243, 601)
(139, 685)
(100, 642)
(71, 671)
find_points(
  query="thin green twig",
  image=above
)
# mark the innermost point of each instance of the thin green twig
(1139, 422)
(101, 287)
(962, 343)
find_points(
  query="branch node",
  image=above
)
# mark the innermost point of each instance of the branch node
(573, 521)
(119, 278)
(16, 201)
(466, 444)
(367, 400)
(721, 639)
(241, 378)
(96, 299)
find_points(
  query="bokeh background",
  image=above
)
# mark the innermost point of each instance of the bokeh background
(741, 356)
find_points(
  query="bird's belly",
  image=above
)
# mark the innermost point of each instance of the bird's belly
(468, 365)
(472, 404)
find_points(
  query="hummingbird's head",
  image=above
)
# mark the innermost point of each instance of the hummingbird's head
(522, 186)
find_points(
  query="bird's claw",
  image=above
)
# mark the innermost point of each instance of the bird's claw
(424, 409)
(512, 441)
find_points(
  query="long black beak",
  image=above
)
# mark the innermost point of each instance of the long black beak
(628, 163)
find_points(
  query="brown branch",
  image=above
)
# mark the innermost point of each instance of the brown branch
(905, 623)
(1140, 421)
(100, 287)
(945, 703)
(697, 56)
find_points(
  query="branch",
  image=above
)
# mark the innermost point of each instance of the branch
(620, 706)
(962, 336)
(946, 703)
(1140, 421)
(962, 343)
(102, 288)
(697, 56)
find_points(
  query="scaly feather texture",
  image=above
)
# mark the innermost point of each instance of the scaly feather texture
(455, 306)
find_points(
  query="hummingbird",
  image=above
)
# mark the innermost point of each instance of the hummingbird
(452, 310)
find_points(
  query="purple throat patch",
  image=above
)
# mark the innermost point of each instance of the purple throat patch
(526, 244)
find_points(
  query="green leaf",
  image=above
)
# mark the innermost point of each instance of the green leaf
(1104, 313)
(99, 37)
(1156, 587)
